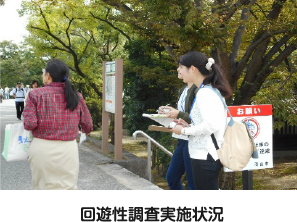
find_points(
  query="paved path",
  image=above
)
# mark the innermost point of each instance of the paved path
(95, 171)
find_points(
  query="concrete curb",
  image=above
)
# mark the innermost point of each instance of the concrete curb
(123, 176)
(127, 178)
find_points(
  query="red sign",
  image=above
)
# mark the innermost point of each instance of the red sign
(250, 110)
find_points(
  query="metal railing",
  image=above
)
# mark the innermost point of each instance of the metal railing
(149, 144)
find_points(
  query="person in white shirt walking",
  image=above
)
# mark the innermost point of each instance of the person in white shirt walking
(6, 92)
(19, 94)
(209, 119)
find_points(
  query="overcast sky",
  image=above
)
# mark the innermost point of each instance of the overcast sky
(12, 27)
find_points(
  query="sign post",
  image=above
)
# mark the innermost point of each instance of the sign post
(112, 102)
(259, 122)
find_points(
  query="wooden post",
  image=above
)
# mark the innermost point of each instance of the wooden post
(118, 131)
(247, 179)
(105, 118)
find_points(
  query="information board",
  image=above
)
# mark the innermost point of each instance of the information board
(259, 122)
(110, 87)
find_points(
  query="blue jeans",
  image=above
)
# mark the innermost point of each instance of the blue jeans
(180, 163)
(6, 96)
(206, 174)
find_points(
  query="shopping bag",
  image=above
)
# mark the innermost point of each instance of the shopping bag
(17, 141)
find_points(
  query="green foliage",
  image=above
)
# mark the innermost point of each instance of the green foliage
(19, 64)
(148, 84)
(280, 90)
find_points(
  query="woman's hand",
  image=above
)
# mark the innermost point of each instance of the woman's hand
(160, 110)
(172, 113)
(181, 122)
(177, 129)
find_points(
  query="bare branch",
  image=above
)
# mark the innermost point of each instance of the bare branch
(43, 16)
(239, 33)
(116, 45)
(276, 9)
(85, 49)
(292, 71)
(54, 37)
(110, 24)
(262, 10)
(78, 34)
(70, 21)
(233, 8)
(239, 68)
(276, 47)
(265, 73)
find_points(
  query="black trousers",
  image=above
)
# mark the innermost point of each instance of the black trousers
(206, 173)
(19, 107)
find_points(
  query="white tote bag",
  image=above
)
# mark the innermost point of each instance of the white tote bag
(16, 142)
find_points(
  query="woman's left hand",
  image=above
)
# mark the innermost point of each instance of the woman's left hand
(177, 129)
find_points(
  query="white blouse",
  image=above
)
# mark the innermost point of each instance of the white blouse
(181, 107)
(208, 116)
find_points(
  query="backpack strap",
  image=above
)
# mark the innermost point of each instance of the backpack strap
(214, 141)
(231, 122)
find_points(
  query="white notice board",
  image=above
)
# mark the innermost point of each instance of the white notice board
(110, 87)
(259, 122)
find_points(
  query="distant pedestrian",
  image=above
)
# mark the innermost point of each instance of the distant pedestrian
(54, 114)
(26, 89)
(34, 85)
(19, 94)
(6, 92)
(1, 94)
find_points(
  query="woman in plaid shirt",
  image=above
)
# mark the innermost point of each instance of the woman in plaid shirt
(54, 113)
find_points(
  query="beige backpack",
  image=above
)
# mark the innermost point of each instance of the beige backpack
(238, 146)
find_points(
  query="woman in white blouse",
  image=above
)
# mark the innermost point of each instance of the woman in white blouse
(209, 119)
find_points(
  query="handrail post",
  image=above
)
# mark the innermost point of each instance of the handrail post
(149, 150)
(149, 168)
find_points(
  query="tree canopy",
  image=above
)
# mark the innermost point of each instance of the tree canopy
(19, 64)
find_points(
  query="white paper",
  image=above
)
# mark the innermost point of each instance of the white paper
(160, 118)
(83, 138)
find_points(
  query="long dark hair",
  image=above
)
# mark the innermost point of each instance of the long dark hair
(215, 76)
(59, 72)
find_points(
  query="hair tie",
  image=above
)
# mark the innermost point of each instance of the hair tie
(209, 64)
(64, 79)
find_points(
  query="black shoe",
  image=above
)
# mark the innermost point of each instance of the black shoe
(19, 118)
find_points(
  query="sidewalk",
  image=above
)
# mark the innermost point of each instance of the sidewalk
(97, 172)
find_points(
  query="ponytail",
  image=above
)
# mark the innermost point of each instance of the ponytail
(217, 80)
(71, 96)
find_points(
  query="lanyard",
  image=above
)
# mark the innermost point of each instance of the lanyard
(183, 100)
(201, 85)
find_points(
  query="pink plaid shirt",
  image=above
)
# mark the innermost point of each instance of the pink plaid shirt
(46, 116)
